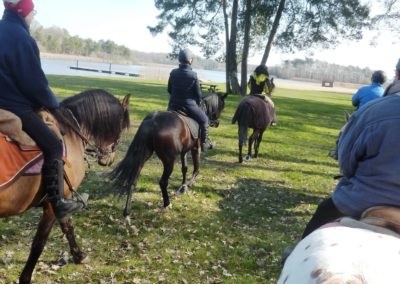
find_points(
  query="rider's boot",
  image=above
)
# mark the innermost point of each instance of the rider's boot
(206, 142)
(53, 182)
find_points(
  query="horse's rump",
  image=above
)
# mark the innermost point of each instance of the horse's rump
(260, 116)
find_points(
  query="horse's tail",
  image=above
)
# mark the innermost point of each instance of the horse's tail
(242, 116)
(127, 171)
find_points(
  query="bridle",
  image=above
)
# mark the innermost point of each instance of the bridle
(90, 149)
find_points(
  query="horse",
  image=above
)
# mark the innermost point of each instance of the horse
(256, 112)
(348, 251)
(167, 134)
(92, 119)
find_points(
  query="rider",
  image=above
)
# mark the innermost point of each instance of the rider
(185, 94)
(258, 81)
(370, 162)
(259, 85)
(24, 90)
(370, 92)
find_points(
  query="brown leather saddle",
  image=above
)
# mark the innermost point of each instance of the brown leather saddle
(383, 216)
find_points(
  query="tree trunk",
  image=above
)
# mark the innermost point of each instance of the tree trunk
(226, 24)
(272, 34)
(246, 45)
(232, 59)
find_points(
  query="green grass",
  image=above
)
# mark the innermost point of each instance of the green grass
(232, 225)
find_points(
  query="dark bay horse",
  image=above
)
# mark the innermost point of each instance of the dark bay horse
(256, 112)
(92, 118)
(168, 135)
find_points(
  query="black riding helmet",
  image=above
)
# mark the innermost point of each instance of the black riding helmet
(378, 77)
(185, 56)
(261, 69)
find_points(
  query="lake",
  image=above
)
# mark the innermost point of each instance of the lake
(156, 72)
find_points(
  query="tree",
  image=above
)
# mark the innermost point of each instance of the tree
(282, 24)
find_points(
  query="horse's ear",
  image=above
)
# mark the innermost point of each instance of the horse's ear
(125, 102)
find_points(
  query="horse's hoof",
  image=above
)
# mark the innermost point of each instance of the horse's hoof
(127, 220)
(247, 158)
(81, 258)
(86, 260)
(182, 189)
(168, 207)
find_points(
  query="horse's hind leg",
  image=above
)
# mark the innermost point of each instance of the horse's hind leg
(168, 168)
(252, 140)
(257, 143)
(196, 165)
(67, 228)
(184, 169)
(39, 241)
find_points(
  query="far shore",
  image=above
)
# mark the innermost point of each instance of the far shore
(158, 70)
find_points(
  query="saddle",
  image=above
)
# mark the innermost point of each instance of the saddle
(379, 219)
(383, 216)
(190, 122)
(19, 154)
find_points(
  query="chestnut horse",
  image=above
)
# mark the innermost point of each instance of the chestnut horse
(92, 119)
(168, 135)
(256, 112)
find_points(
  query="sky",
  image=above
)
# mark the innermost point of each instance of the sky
(125, 22)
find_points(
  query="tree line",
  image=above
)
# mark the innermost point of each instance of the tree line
(58, 40)
(317, 70)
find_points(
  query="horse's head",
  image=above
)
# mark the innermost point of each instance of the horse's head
(271, 86)
(213, 105)
(98, 118)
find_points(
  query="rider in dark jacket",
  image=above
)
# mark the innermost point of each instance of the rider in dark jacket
(185, 94)
(24, 90)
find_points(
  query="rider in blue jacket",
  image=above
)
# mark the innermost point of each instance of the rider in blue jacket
(24, 90)
(185, 94)
(370, 92)
(369, 158)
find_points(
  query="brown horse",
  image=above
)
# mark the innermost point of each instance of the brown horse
(168, 135)
(92, 117)
(256, 112)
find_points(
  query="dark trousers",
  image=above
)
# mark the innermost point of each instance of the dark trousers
(326, 213)
(47, 141)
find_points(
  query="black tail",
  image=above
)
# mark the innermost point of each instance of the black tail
(127, 171)
(242, 116)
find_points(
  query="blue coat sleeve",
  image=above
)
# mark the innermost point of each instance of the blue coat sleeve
(30, 77)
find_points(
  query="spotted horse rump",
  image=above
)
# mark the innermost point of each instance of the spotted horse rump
(338, 253)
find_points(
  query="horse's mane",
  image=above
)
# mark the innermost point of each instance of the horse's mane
(99, 114)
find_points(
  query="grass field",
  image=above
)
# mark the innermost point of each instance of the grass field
(232, 225)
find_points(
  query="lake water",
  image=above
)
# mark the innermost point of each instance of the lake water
(62, 67)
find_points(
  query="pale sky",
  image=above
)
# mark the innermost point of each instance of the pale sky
(125, 22)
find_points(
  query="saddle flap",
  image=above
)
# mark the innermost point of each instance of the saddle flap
(384, 216)
(190, 122)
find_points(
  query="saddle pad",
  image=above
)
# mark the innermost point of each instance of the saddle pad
(191, 123)
(14, 161)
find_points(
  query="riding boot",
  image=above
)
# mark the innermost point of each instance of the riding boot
(206, 142)
(53, 182)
